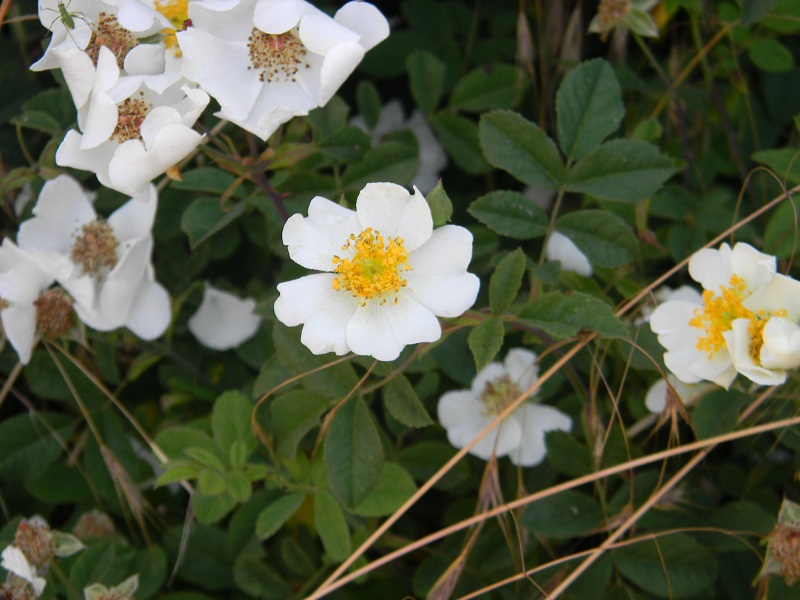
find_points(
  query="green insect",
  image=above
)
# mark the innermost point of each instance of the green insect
(66, 17)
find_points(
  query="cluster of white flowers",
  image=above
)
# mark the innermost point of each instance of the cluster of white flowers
(746, 320)
(140, 73)
(103, 268)
(521, 435)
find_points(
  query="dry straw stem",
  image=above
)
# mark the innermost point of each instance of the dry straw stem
(335, 580)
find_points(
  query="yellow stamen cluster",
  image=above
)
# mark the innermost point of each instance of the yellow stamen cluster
(374, 267)
(96, 247)
(132, 113)
(498, 394)
(276, 55)
(176, 12)
(720, 310)
(109, 33)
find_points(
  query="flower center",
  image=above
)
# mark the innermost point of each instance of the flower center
(374, 268)
(276, 56)
(611, 12)
(176, 12)
(53, 313)
(109, 33)
(96, 247)
(498, 394)
(132, 112)
(4, 304)
(784, 547)
(720, 310)
(34, 540)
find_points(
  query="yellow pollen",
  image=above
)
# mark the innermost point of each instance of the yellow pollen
(96, 247)
(276, 56)
(498, 395)
(720, 310)
(373, 268)
(176, 12)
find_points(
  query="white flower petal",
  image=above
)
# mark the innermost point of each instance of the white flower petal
(562, 249)
(323, 311)
(781, 347)
(315, 240)
(383, 331)
(224, 320)
(536, 420)
(19, 326)
(487, 374)
(460, 408)
(150, 312)
(738, 340)
(14, 560)
(390, 209)
(522, 368)
(320, 34)
(279, 16)
(366, 20)
(134, 219)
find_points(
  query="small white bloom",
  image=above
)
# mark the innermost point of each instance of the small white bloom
(627, 14)
(223, 320)
(14, 560)
(117, 25)
(21, 283)
(103, 264)
(562, 249)
(266, 61)
(432, 158)
(388, 274)
(724, 334)
(131, 134)
(685, 293)
(521, 436)
(689, 393)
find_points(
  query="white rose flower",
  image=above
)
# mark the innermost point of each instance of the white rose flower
(21, 285)
(223, 320)
(521, 436)
(266, 61)
(724, 335)
(131, 134)
(103, 264)
(388, 274)
(15, 562)
(432, 158)
(562, 249)
(689, 393)
(116, 25)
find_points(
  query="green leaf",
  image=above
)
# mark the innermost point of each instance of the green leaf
(563, 316)
(277, 513)
(514, 144)
(178, 471)
(328, 119)
(670, 566)
(353, 452)
(588, 106)
(230, 422)
(212, 509)
(209, 180)
(768, 54)
(717, 412)
(624, 170)
(210, 482)
(330, 523)
(258, 580)
(391, 161)
(294, 414)
(510, 214)
(755, 10)
(459, 136)
(780, 235)
(333, 382)
(204, 217)
(506, 281)
(426, 79)
(403, 403)
(175, 440)
(784, 161)
(394, 487)
(238, 486)
(345, 146)
(205, 457)
(27, 447)
(368, 100)
(567, 455)
(440, 204)
(603, 237)
(487, 88)
(566, 514)
(423, 459)
(485, 341)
